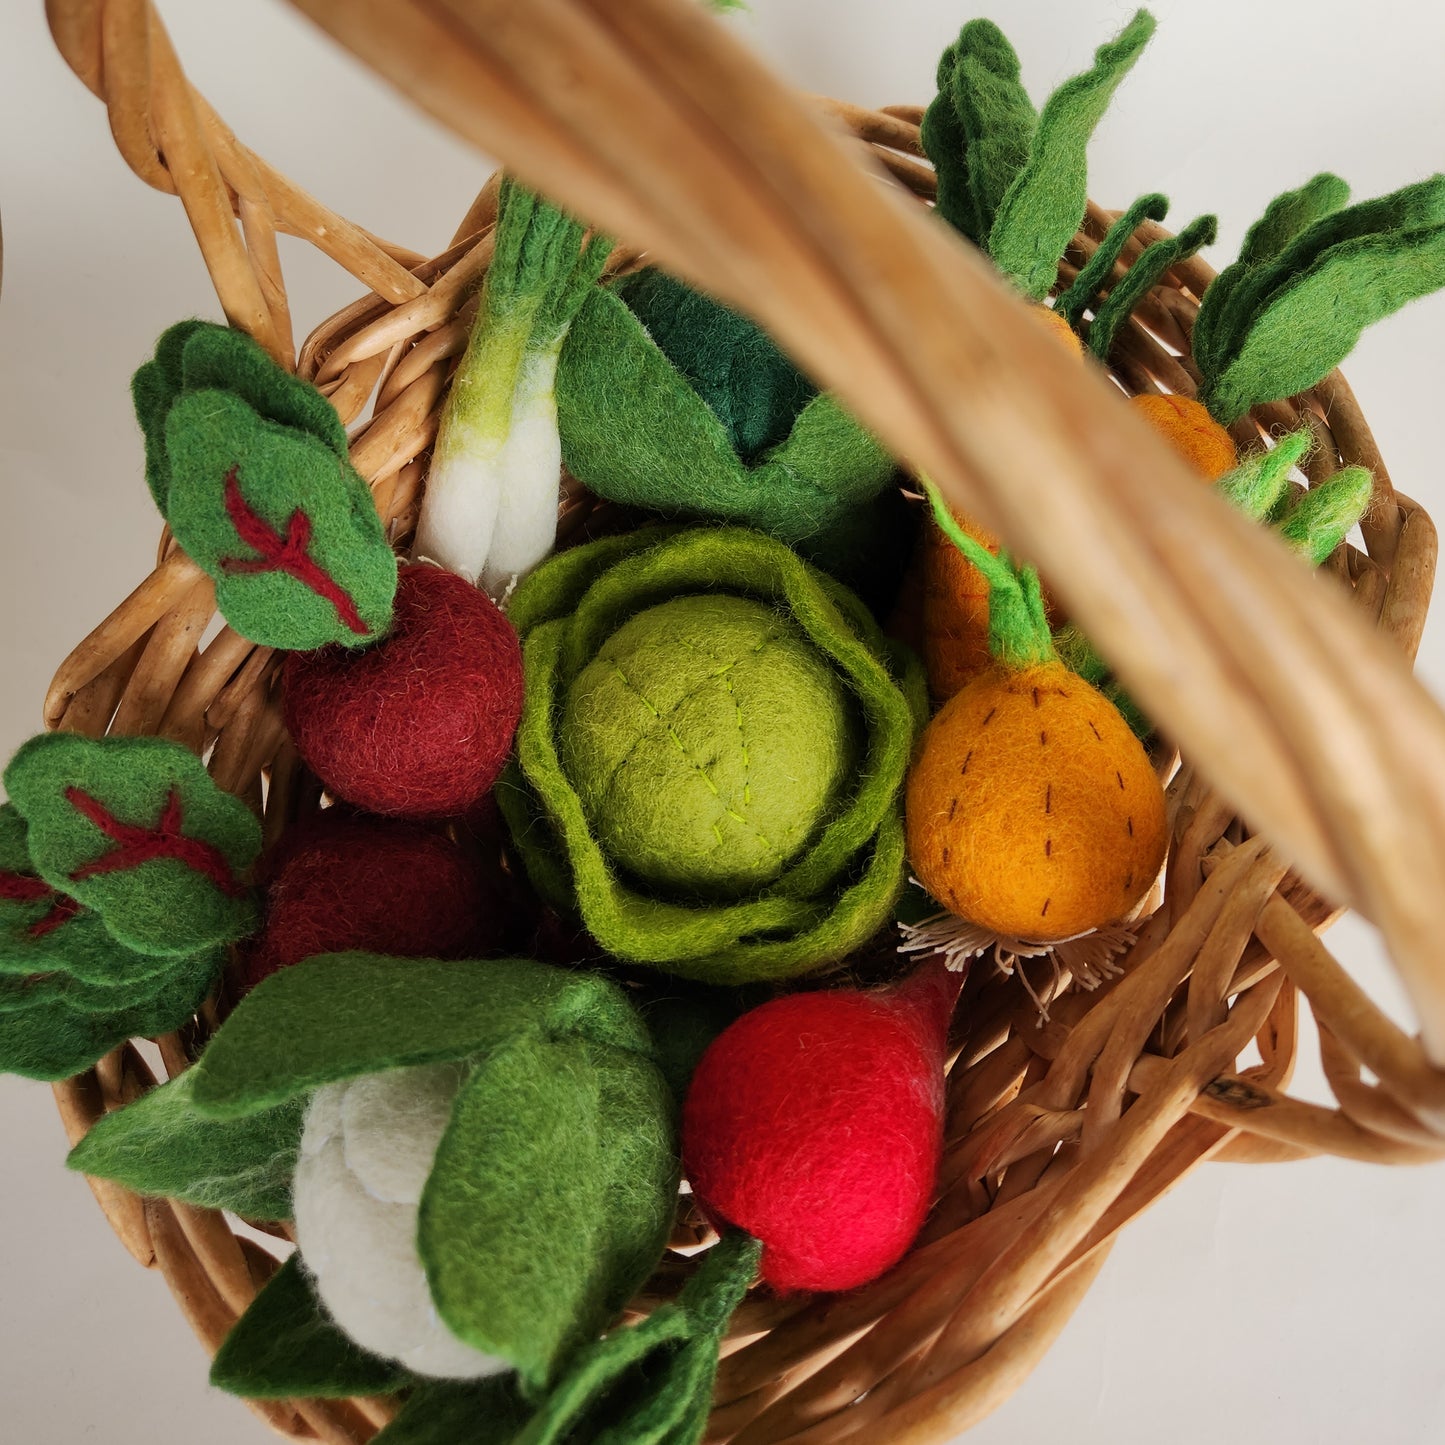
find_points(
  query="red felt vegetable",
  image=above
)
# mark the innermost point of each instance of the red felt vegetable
(816, 1123)
(419, 724)
(351, 882)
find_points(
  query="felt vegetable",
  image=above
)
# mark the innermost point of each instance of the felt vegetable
(249, 465)
(489, 511)
(377, 887)
(488, 1148)
(135, 829)
(1033, 811)
(710, 754)
(419, 725)
(1312, 274)
(816, 1124)
(669, 401)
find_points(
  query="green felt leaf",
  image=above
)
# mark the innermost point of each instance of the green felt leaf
(285, 1347)
(382, 1012)
(22, 991)
(728, 360)
(562, 1141)
(1095, 273)
(54, 1041)
(840, 889)
(162, 1146)
(43, 930)
(1143, 276)
(652, 1384)
(978, 128)
(1261, 480)
(1325, 515)
(448, 1412)
(1043, 207)
(1306, 327)
(636, 431)
(1285, 218)
(135, 829)
(281, 522)
(154, 389)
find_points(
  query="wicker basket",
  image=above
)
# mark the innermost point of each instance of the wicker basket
(644, 117)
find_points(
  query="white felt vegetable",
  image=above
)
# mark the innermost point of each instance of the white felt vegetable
(490, 507)
(366, 1151)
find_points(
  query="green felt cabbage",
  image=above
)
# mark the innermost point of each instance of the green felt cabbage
(249, 464)
(636, 431)
(286, 1347)
(555, 1183)
(1095, 274)
(977, 129)
(1313, 275)
(826, 901)
(135, 829)
(652, 1384)
(162, 1146)
(551, 1197)
(1143, 276)
(1046, 200)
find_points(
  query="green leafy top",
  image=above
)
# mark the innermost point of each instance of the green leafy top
(1312, 275)
(1012, 182)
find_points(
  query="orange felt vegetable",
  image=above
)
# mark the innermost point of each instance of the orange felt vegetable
(1032, 810)
(1188, 427)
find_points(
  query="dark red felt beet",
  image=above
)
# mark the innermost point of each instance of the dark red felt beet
(816, 1123)
(377, 885)
(419, 724)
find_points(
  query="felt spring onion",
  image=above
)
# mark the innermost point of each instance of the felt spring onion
(1034, 815)
(490, 508)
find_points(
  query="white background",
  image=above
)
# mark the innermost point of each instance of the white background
(1300, 1303)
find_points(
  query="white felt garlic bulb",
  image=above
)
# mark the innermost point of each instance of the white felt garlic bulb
(366, 1151)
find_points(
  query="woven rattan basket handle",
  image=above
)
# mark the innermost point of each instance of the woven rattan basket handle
(647, 119)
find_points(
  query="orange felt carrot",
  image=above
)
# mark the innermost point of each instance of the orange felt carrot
(1032, 810)
(954, 592)
(1188, 427)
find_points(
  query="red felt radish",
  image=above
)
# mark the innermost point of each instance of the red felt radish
(816, 1123)
(378, 886)
(419, 724)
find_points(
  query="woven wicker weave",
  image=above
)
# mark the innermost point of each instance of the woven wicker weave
(1057, 1134)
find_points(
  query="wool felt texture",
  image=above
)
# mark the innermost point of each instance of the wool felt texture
(285, 1346)
(162, 1146)
(977, 129)
(443, 1412)
(254, 478)
(1033, 810)
(840, 889)
(1191, 430)
(50, 1039)
(1259, 485)
(1078, 653)
(1284, 322)
(1143, 276)
(652, 1384)
(708, 742)
(1045, 202)
(816, 1124)
(1324, 515)
(418, 725)
(44, 931)
(552, 1189)
(135, 829)
(359, 1180)
(684, 1018)
(635, 431)
(1095, 274)
(552, 1198)
(374, 886)
(489, 512)
(728, 360)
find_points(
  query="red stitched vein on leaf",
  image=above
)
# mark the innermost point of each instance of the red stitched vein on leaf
(18, 888)
(137, 845)
(284, 554)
